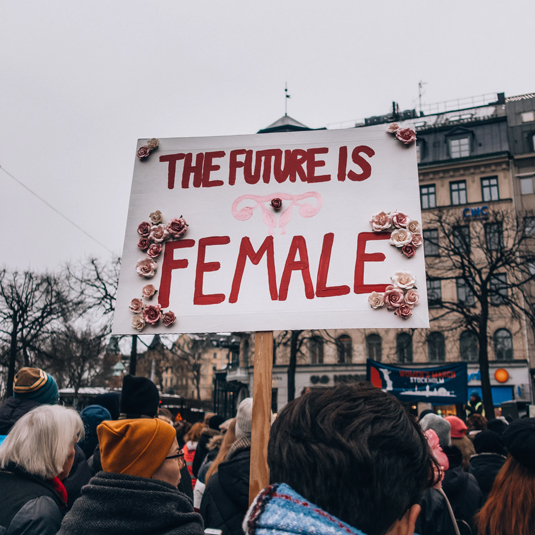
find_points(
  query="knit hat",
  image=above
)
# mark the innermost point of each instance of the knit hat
(215, 421)
(37, 385)
(139, 399)
(498, 425)
(440, 426)
(134, 447)
(519, 439)
(488, 442)
(110, 401)
(458, 427)
(244, 418)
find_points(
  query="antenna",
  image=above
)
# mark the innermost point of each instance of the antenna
(420, 93)
(286, 97)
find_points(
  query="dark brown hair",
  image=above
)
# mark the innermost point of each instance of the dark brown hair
(510, 507)
(354, 451)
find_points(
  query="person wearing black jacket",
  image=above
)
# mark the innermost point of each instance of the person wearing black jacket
(202, 447)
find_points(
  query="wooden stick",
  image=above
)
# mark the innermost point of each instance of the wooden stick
(263, 365)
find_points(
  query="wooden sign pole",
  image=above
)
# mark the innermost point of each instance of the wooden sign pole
(263, 365)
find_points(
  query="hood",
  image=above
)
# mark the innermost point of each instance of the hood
(12, 410)
(279, 510)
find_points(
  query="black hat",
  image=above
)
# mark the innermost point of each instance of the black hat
(215, 421)
(488, 442)
(110, 401)
(498, 426)
(519, 439)
(139, 399)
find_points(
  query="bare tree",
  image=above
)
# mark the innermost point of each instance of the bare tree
(31, 305)
(491, 261)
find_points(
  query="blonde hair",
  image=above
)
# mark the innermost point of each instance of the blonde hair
(228, 439)
(41, 440)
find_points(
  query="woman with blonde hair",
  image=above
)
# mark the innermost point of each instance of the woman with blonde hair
(510, 507)
(35, 458)
(192, 439)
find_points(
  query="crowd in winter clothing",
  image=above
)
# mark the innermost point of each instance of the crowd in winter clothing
(343, 460)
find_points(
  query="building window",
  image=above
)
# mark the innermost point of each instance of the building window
(428, 196)
(436, 348)
(345, 349)
(374, 348)
(498, 291)
(431, 247)
(461, 239)
(460, 147)
(503, 345)
(489, 189)
(526, 186)
(469, 346)
(315, 346)
(465, 295)
(528, 116)
(529, 226)
(215, 355)
(434, 292)
(494, 236)
(458, 192)
(404, 348)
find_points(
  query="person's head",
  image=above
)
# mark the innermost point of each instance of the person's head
(110, 401)
(510, 507)
(498, 425)
(140, 447)
(92, 416)
(488, 442)
(474, 397)
(228, 439)
(476, 422)
(37, 385)
(244, 419)
(194, 434)
(162, 411)
(42, 441)
(207, 417)
(458, 427)
(424, 413)
(355, 452)
(215, 422)
(139, 398)
(440, 426)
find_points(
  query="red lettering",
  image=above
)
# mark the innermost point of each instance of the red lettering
(268, 156)
(247, 251)
(205, 267)
(342, 164)
(168, 265)
(298, 158)
(364, 165)
(312, 164)
(190, 169)
(322, 290)
(171, 170)
(250, 176)
(209, 166)
(362, 257)
(298, 245)
(235, 164)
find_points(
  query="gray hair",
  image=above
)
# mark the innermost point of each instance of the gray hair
(41, 440)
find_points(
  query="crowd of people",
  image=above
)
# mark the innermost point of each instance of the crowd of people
(344, 460)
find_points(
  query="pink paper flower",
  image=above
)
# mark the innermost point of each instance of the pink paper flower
(177, 227)
(146, 267)
(392, 128)
(376, 300)
(381, 222)
(138, 322)
(158, 233)
(412, 297)
(153, 143)
(408, 250)
(143, 244)
(148, 291)
(276, 204)
(155, 250)
(143, 152)
(393, 297)
(400, 220)
(400, 237)
(439, 455)
(403, 279)
(144, 229)
(417, 240)
(168, 318)
(403, 311)
(152, 314)
(156, 217)
(406, 135)
(136, 305)
(414, 227)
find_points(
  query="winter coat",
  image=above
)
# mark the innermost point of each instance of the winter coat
(485, 467)
(461, 488)
(279, 510)
(226, 496)
(30, 505)
(12, 410)
(78, 476)
(189, 455)
(114, 504)
(202, 449)
(434, 518)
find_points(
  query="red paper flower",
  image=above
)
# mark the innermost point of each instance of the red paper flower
(276, 204)
(393, 297)
(144, 229)
(155, 250)
(408, 250)
(143, 152)
(177, 227)
(168, 318)
(400, 220)
(152, 314)
(406, 135)
(144, 244)
(403, 311)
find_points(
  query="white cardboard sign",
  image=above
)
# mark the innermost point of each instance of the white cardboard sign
(242, 265)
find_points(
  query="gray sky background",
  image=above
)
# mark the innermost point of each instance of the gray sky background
(80, 82)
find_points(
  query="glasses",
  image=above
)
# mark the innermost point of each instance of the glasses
(179, 456)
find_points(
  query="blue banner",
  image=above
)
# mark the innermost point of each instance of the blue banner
(439, 385)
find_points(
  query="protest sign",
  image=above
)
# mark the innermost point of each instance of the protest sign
(278, 236)
(439, 385)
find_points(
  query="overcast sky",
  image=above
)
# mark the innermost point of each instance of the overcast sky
(80, 82)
